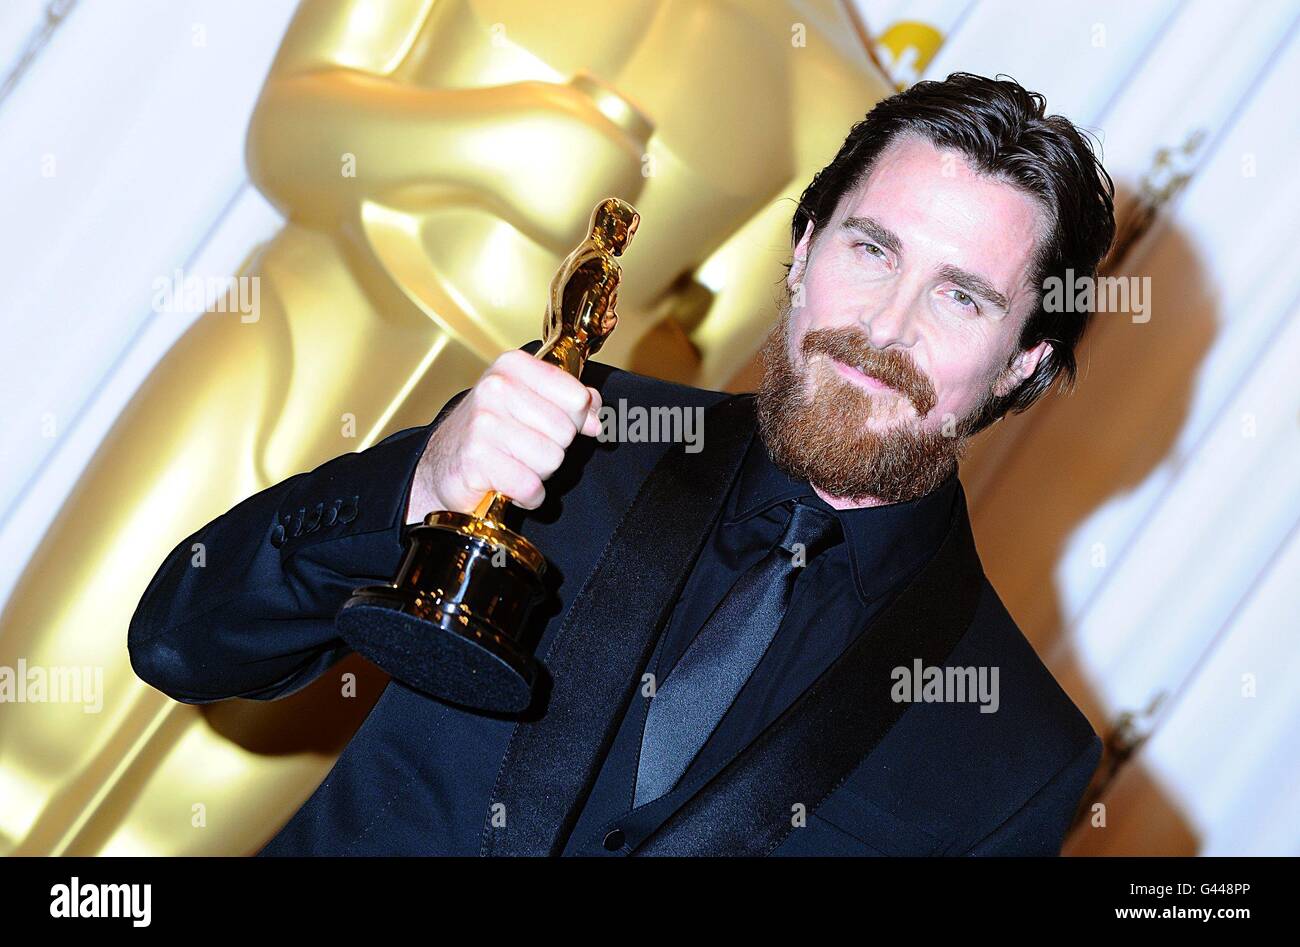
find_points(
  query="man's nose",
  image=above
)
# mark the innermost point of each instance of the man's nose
(889, 319)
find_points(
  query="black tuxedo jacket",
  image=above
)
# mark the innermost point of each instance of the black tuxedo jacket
(845, 769)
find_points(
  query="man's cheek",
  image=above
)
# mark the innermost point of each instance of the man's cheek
(947, 400)
(961, 402)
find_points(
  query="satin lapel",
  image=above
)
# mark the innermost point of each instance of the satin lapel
(745, 807)
(608, 634)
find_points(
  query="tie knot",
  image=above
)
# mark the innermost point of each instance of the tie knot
(812, 528)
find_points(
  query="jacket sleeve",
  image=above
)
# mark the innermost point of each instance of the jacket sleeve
(1039, 827)
(245, 606)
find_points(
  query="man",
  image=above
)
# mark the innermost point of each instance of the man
(781, 644)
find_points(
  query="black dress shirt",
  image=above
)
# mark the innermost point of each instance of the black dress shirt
(882, 548)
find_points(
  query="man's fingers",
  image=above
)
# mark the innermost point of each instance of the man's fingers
(532, 448)
(518, 481)
(591, 425)
(540, 415)
(551, 382)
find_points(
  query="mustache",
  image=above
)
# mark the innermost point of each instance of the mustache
(892, 367)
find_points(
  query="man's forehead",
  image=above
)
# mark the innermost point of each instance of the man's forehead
(941, 209)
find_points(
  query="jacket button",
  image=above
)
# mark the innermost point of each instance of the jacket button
(614, 840)
(297, 521)
(313, 520)
(348, 511)
(332, 514)
(277, 535)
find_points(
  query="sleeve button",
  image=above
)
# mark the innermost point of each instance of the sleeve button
(313, 521)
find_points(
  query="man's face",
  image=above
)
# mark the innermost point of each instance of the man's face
(919, 281)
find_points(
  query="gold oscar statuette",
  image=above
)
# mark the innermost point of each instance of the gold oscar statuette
(456, 611)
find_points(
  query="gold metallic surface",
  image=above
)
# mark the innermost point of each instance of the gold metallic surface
(485, 523)
(575, 331)
(440, 573)
(570, 335)
(434, 162)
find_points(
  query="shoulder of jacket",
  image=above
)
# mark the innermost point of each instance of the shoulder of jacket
(1030, 689)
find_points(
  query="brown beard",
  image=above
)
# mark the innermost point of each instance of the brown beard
(823, 439)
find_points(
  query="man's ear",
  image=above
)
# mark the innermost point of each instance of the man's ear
(800, 264)
(1024, 364)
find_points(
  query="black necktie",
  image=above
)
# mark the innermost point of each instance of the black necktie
(690, 702)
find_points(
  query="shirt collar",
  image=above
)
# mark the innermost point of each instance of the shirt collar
(885, 543)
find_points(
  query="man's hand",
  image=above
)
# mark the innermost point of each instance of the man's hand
(509, 433)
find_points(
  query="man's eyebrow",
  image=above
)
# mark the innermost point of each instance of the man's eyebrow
(872, 229)
(970, 283)
(974, 285)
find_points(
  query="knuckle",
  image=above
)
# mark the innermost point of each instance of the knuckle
(523, 489)
(509, 357)
(492, 385)
(518, 364)
(480, 422)
(477, 454)
(554, 456)
(572, 400)
(536, 493)
(581, 396)
(570, 431)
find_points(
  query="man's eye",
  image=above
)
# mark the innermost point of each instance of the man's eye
(870, 248)
(965, 300)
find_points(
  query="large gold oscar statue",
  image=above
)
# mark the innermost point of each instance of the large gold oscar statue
(419, 149)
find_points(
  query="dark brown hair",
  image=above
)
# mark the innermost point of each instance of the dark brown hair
(1002, 131)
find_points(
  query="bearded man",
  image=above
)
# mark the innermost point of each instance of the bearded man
(783, 643)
